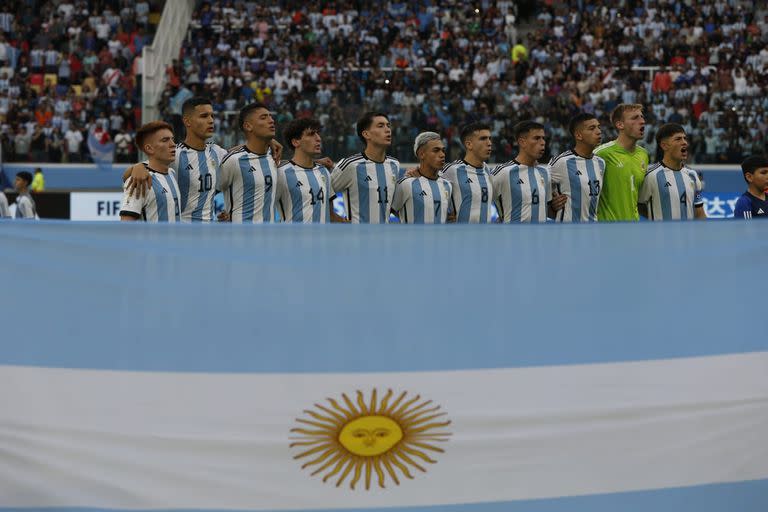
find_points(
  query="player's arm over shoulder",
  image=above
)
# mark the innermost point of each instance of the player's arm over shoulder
(646, 190)
(449, 172)
(402, 193)
(131, 206)
(229, 166)
(557, 171)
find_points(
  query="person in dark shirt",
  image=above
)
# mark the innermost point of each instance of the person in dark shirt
(752, 203)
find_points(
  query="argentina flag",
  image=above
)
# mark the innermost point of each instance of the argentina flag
(445, 369)
(102, 153)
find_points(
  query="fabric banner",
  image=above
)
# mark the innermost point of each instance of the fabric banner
(102, 153)
(446, 368)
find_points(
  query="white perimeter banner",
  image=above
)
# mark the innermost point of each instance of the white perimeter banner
(95, 205)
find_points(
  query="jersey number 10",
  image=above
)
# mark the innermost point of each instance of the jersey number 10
(206, 183)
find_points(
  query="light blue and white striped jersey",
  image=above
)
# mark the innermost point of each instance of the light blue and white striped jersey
(5, 211)
(199, 180)
(669, 194)
(159, 204)
(304, 195)
(472, 191)
(367, 187)
(581, 180)
(521, 192)
(423, 201)
(25, 207)
(248, 180)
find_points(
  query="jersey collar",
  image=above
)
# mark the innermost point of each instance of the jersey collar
(372, 160)
(301, 166)
(153, 170)
(573, 150)
(185, 145)
(472, 166)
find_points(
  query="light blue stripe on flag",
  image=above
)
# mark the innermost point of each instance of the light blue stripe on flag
(183, 175)
(418, 202)
(249, 188)
(317, 208)
(749, 496)
(664, 195)
(575, 181)
(680, 181)
(162, 254)
(204, 192)
(465, 210)
(363, 193)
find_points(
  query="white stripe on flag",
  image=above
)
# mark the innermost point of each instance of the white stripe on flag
(195, 440)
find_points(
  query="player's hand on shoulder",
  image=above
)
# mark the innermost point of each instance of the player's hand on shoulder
(141, 180)
(325, 162)
(277, 151)
(413, 172)
(451, 218)
(223, 217)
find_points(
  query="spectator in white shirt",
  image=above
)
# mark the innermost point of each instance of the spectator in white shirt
(74, 139)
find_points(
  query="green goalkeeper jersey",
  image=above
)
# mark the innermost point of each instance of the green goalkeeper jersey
(624, 174)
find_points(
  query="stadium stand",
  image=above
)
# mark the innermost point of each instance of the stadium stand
(69, 69)
(434, 67)
(437, 67)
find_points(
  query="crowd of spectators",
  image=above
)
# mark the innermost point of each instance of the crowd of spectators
(437, 65)
(69, 70)
(432, 65)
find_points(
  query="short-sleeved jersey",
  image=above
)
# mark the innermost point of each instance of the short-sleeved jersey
(304, 195)
(199, 180)
(670, 194)
(367, 187)
(5, 211)
(472, 194)
(624, 174)
(419, 200)
(749, 207)
(25, 207)
(159, 204)
(521, 192)
(580, 180)
(248, 181)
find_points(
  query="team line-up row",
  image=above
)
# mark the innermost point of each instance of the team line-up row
(591, 182)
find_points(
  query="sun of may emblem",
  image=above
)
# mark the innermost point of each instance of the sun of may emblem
(349, 440)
